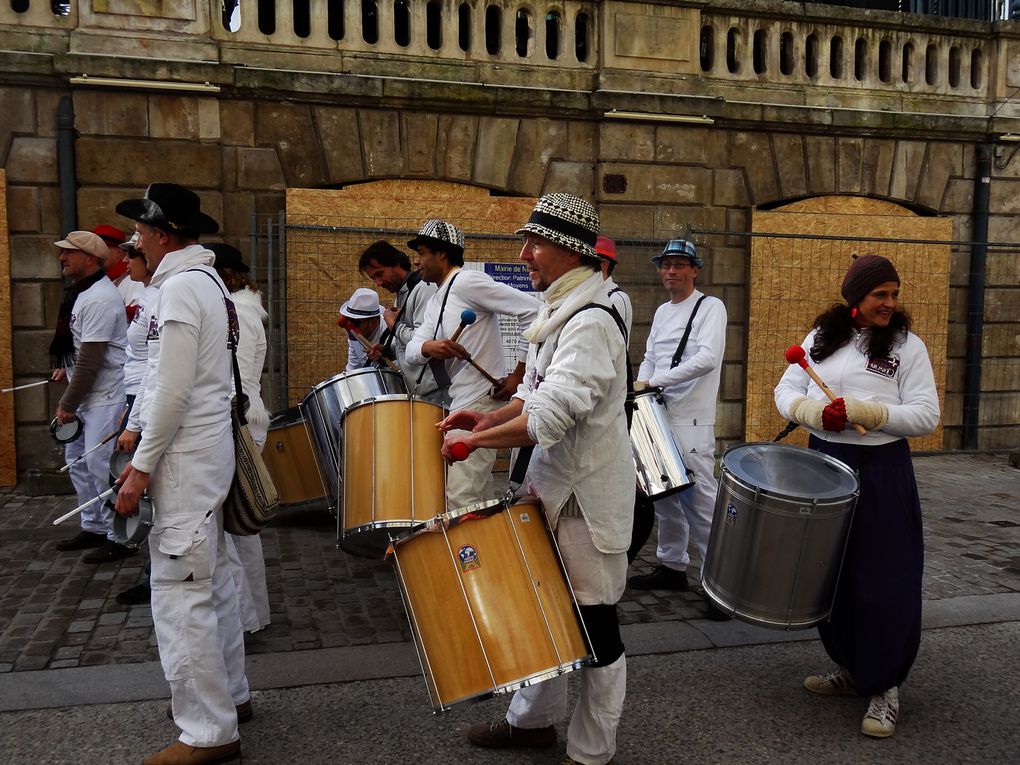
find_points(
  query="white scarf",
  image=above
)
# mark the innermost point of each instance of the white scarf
(574, 289)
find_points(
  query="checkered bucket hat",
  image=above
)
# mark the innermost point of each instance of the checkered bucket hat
(679, 248)
(567, 220)
(438, 234)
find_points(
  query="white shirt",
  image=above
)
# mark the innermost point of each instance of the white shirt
(488, 299)
(251, 352)
(130, 290)
(620, 300)
(904, 382)
(416, 301)
(186, 390)
(137, 349)
(574, 390)
(98, 317)
(690, 388)
(357, 357)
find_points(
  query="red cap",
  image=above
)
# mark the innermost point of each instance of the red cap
(110, 234)
(606, 248)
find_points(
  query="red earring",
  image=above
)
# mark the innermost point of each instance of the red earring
(853, 313)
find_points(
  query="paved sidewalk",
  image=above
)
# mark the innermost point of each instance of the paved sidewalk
(57, 612)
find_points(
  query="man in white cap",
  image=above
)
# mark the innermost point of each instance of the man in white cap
(440, 248)
(185, 461)
(89, 350)
(683, 356)
(362, 313)
(568, 414)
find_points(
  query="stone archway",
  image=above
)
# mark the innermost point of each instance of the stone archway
(795, 275)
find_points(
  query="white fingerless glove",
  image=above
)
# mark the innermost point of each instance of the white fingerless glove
(870, 415)
(808, 412)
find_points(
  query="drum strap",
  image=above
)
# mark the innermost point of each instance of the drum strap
(413, 280)
(438, 367)
(687, 334)
(233, 334)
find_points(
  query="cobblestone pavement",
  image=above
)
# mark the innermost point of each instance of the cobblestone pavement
(56, 611)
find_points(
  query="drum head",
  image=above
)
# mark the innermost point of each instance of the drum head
(790, 470)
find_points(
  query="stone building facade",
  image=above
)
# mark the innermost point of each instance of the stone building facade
(667, 114)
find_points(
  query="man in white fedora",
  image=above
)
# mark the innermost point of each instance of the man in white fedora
(568, 414)
(361, 314)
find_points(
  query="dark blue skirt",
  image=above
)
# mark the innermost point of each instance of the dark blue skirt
(875, 627)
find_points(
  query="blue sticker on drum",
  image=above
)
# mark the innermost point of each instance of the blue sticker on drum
(468, 557)
(525, 518)
(731, 514)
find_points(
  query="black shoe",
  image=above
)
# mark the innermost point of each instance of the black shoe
(502, 734)
(109, 552)
(662, 578)
(140, 593)
(83, 540)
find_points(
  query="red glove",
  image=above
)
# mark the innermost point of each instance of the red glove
(834, 416)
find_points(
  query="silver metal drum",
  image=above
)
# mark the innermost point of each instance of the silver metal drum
(782, 518)
(657, 459)
(324, 407)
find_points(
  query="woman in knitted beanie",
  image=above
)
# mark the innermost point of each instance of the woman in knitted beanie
(866, 353)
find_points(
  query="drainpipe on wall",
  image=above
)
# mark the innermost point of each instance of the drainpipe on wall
(65, 165)
(976, 296)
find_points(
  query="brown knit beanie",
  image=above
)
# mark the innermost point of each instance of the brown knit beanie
(864, 274)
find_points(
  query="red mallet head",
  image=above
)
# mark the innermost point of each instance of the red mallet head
(795, 355)
(459, 451)
(344, 323)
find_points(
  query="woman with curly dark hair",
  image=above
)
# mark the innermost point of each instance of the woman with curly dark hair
(865, 351)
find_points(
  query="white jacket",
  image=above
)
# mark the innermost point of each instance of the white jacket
(251, 353)
(905, 383)
(574, 390)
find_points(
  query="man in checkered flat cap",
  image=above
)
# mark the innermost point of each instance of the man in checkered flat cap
(440, 249)
(568, 415)
(683, 356)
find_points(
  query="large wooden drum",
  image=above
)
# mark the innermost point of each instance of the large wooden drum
(290, 460)
(490, 606)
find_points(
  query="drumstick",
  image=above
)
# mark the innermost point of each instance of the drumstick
(467, 316)
(112, 490)
(26, 385)
(795, 355)
(346, 323)
(481, 371)
(83, 455)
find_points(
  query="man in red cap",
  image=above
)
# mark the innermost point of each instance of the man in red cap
(606, 249)
(116, 263)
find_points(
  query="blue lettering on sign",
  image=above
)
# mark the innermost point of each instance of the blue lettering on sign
(513, 274)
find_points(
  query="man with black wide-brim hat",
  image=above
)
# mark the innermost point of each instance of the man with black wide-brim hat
(186, 462)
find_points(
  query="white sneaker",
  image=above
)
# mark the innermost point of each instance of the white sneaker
(880, 720)
(836, 683)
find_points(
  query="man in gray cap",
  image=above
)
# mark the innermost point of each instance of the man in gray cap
(186, 463)
(683, 356)
(570, 411)
(89, 350)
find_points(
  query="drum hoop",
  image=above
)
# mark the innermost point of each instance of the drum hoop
(146, 520)
(650, 391)
(375, 400)
(793, 499)
(347, 375)
(828, 459)
(55, 426)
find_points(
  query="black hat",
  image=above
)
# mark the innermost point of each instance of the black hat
(440, 235)
(566, 220)
(227, 257)
(172, 208)
(864, 274)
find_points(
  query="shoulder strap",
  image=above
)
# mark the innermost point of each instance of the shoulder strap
(438, 367)
(687, 333)
(233, 336)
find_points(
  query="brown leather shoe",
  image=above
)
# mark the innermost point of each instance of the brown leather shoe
(244, 711)
(502, 734)
(179, 753)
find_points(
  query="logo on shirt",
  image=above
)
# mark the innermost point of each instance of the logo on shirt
(885, 367)
(153, 334)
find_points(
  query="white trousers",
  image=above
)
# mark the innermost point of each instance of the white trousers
(91, 476)
(470, 481)
(248, 566)
(194, 601)
(687, 515)
(596, 578)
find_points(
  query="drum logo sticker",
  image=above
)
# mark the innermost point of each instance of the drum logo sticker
(731, 514)
(468, 557)
(525, 518)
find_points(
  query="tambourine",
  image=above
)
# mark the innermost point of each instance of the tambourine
(65, 433)
(118, 461)
(132, 531)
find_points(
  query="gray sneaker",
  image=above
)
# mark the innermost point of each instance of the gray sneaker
(880, 719)
(836, 683)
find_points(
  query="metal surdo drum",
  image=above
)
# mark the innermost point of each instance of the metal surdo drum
(781, 522)
(491, 609)
(324, 407)
(393, 471)
(290, 460)
(657, 459)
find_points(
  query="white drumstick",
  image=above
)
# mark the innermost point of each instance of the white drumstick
(26, 385)
(72, 463)
(109, 492)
